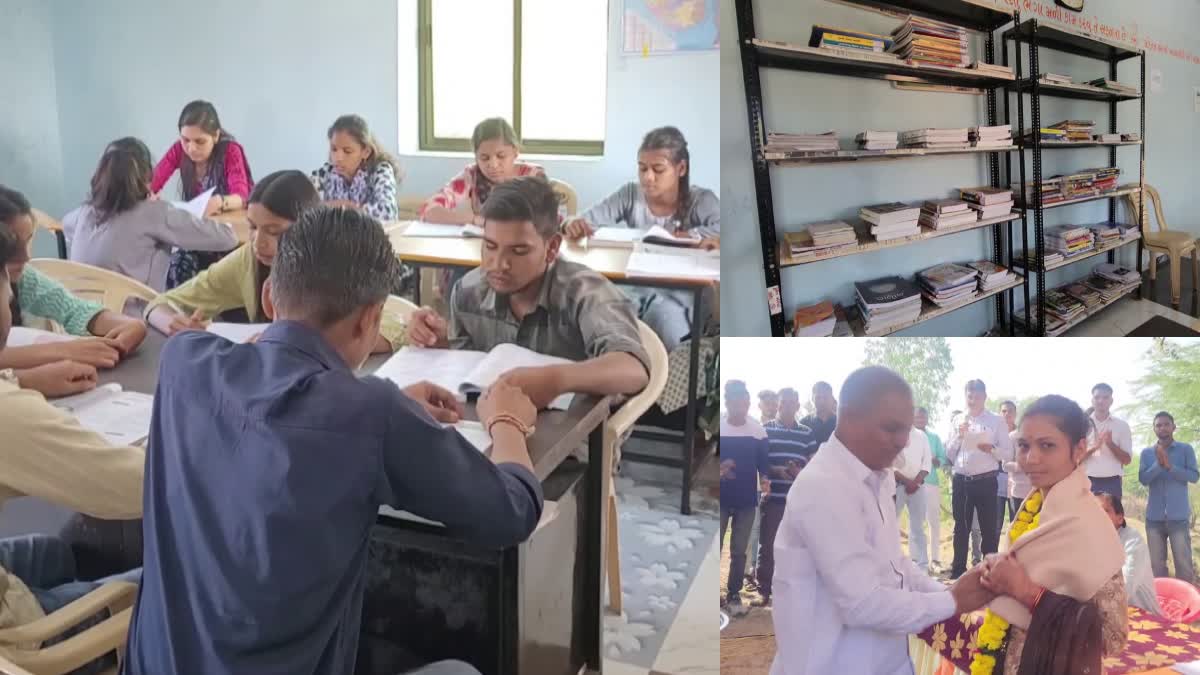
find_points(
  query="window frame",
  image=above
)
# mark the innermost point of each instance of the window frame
(427, 141)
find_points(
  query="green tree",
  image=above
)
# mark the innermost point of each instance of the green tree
(926, 363)
(994, 402)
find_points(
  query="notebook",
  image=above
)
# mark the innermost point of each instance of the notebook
(463, 371)
(122, 417)
(624, 237)
(418, 229)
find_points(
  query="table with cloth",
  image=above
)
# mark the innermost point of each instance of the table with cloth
(946, 648)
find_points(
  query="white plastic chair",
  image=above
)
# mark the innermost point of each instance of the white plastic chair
(80, 649)
(89, 282)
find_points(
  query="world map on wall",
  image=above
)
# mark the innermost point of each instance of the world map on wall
(664, 26)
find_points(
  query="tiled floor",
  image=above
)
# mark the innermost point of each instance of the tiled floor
(1127, 314)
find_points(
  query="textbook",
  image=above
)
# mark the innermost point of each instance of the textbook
(122, 417)
(463, 371)
(625, 237)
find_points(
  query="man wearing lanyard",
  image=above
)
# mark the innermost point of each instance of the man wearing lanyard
(978, 446)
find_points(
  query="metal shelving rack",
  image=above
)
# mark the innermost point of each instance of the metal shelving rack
(980, 16)
(1036, 36)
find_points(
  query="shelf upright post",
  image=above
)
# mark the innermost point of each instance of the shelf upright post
(762, 173)
(1008, 173)
(1029, 326)
(989, 55)
(1035, 110)
(1112, 149)
(1141, 216)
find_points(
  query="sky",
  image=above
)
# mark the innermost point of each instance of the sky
(1017, 367)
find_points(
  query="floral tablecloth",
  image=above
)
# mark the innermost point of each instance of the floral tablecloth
(947, 648)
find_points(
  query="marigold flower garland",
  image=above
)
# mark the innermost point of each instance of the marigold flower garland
(993, 634)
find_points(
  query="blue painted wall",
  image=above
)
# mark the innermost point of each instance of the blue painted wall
(806, 102)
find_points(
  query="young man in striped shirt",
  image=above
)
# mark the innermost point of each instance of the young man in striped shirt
(791, 446)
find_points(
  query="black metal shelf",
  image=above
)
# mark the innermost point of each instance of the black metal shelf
(1079, 92)
(774, 54)
(1061, 145)
(1070, 42)
(976, 15)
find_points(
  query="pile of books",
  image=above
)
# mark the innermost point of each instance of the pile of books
(935, 139)
(1051, 78)
(1113, 86)
(946, 213)
(877, 140)
(1069, 240)
(1084, 294)
(840, 38)
(1086, 183)
(1132, 137)
(926, 41)
(1076, 130)
(1117, 273)
(887, 304)
(821, 238)
(987, 201)
(1107, 138)
(991, 275)
(777, 142)
(1106, 234)
(992, 69)
(991, 137)
(891, 221)
(1046, 134)
(1104, 179)
(817, 320)
(947, 285)
(1062, 306)
(1109, 289)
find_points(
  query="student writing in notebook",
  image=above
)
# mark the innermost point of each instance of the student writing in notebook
(268, 463)
(236, 282)
(206, 157)
(523, 293)
(663, 196)
(106, 335)
(121, 229)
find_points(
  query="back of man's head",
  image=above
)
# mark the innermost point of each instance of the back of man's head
(525, 199)
(332, 263)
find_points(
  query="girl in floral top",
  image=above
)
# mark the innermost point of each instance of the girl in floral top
(359, 174)
(109, 336)
(206, 156)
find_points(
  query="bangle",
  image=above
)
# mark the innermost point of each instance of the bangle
(508, 418)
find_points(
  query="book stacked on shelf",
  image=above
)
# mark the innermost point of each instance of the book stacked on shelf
(992, 69)
(991, 137)
(947, 285)
(991, 275)
(778, 142)
(1051, 78)
(935, 139)
(1076, 130)
(840, 38)
(1113, 86)
(926, 41)
(1109, 289)
(988, 201)
(1131, 137)
(1046, 134)
(1118, 273)
(940, 214)
(1103, 179)
(887, 303)
(1027, 260)
(877, 140)
(1083, 293)
(1106, 233)
(1069, 240)
(892, 221)
(820, 239)
(1062, 306)
(1107, 138)
(816, 320)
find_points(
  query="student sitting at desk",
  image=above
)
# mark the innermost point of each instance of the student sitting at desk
(523, 294)
(109, 335)
(236, 281)
(121, 229)
(663, 196)
(207, 157)
(268, 463)
(359, 173)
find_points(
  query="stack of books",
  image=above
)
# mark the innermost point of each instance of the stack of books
(1069, 240)
(989, 202)
(991, 137)
(935, 139)
(1109, 289)
(1129, 231)
(1117, 273)
(1106, 233)
(891, 221)
(947, 285)
(840, 38)
(991, 275)
(1051, 78)
(821, 238)
(777, 142)
(1083, 293)
(1027, 260)
(1062, 306)
(1131, 137)
(1107, 138)
(877, 140)
(887, 303)
(926, 41)
(1076, 130)
(1113, 86)
(992, 69)
(816, 320)
(940, 214)
(1104, 179)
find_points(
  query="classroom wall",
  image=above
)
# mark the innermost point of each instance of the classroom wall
(30, 146)
(807, 102)
(280, 71)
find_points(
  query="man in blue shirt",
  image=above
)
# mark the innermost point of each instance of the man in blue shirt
(791, 446)
(1167, 468)
(268, 462)
(743, 464)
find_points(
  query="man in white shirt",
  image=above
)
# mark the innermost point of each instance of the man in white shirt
(976, 450)
(846, 597)
(1110, 444)
(912, 466)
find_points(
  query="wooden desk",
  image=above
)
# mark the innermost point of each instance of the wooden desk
(464, 252)
(43, 220)
(533, 608)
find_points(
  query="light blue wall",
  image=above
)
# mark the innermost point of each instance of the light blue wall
(280, 71)
(30, 150)
(806, 102)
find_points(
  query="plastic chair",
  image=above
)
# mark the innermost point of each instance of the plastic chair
(567, 194)
(1179, 600)
(1172, 243)
(80, 649)
(95, 283)
(399, 307)
(619, 424)
(45, 221)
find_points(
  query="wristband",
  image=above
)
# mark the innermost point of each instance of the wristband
(510, 419)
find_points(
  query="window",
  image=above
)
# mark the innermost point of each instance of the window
(540, 64)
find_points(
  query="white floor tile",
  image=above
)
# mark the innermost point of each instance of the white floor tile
(693, 645)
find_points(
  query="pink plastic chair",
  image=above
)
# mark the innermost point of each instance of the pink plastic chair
(1180, 601)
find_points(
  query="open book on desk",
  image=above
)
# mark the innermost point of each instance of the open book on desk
(626, 237)
(463, 371)
(122, 417)
(648, 260)
(419, 229)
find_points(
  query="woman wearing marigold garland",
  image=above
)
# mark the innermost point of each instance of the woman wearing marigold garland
(1061, 607)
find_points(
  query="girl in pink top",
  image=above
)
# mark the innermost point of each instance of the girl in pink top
(207, 157)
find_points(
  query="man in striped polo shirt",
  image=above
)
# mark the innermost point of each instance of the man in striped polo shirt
(791, 446)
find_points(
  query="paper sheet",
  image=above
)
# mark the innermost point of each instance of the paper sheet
(973, 438)
(643, 263)
(418, 229)
(615, 237)
(237, 332)
(197, 205)
(446, 368)
(20, 336)
(475, 433)
(504, 358)
(122, 417)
